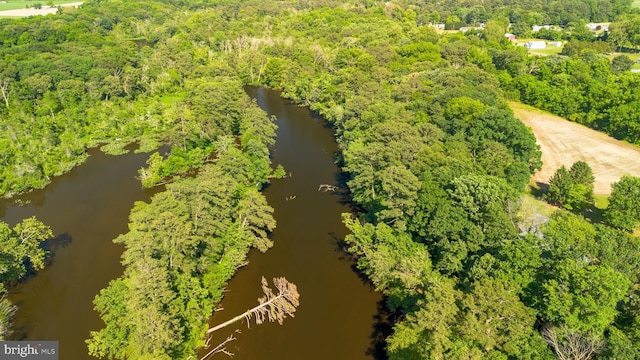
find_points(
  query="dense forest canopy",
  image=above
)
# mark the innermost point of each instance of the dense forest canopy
(531, 12)
(436, 162)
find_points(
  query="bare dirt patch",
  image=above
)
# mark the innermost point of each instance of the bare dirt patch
(563, 142)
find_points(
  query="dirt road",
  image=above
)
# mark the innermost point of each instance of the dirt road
(563, 142)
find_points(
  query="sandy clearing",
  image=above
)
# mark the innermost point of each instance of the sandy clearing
(563, 142)
(46, 10)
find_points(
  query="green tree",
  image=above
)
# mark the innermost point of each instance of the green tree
(581, 173)
(581, 193)
(394, 262)
(21, 247)
(570, 236)
(256, 218)
(494, 318)
(573, 188)
(623, 211)
(111, 304)
(427, 332)
(582, 296)
(618, 249)
(625, 31)
(621, 63)
(519, 262)
(559, 186)
(364, 163)
(398, 193)
(580, 31)
(452, 23)
(620, 346)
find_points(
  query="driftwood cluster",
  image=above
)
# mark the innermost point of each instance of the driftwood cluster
(327, 187)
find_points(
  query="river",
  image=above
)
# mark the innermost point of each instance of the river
(339, 315)
(86, 209)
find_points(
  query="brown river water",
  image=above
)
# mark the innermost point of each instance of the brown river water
(86, 209)
(339, 316)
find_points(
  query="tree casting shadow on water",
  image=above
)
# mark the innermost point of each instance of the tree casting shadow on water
(51, 246)
(56, 243)
(382, 320)
(382, 328)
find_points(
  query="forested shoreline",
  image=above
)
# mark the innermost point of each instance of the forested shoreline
(436, 161)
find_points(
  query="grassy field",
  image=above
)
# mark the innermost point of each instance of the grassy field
(636, 3)
(531, 205)
(550, 50)
(631, 56)
(21, 4)
(634, 57)
(601, 201)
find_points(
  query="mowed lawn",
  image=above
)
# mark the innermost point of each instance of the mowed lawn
(635, 58)
(549, 50)
(20, 4)
(632, 56)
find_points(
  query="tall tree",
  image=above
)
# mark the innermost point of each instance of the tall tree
(573, 188)
(623, 211)
(582, 296)
(20, 248)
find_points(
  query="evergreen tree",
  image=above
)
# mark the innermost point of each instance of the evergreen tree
(623, 211)
(573, 188)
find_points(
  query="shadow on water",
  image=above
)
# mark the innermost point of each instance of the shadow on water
(382, 328)
(340, 317)
(342, 250)
(56, 243)
(382, 324)
(51, 246)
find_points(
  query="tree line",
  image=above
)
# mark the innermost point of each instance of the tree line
(520, 13)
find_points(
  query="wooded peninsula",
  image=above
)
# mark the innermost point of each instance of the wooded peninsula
(437, 165)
